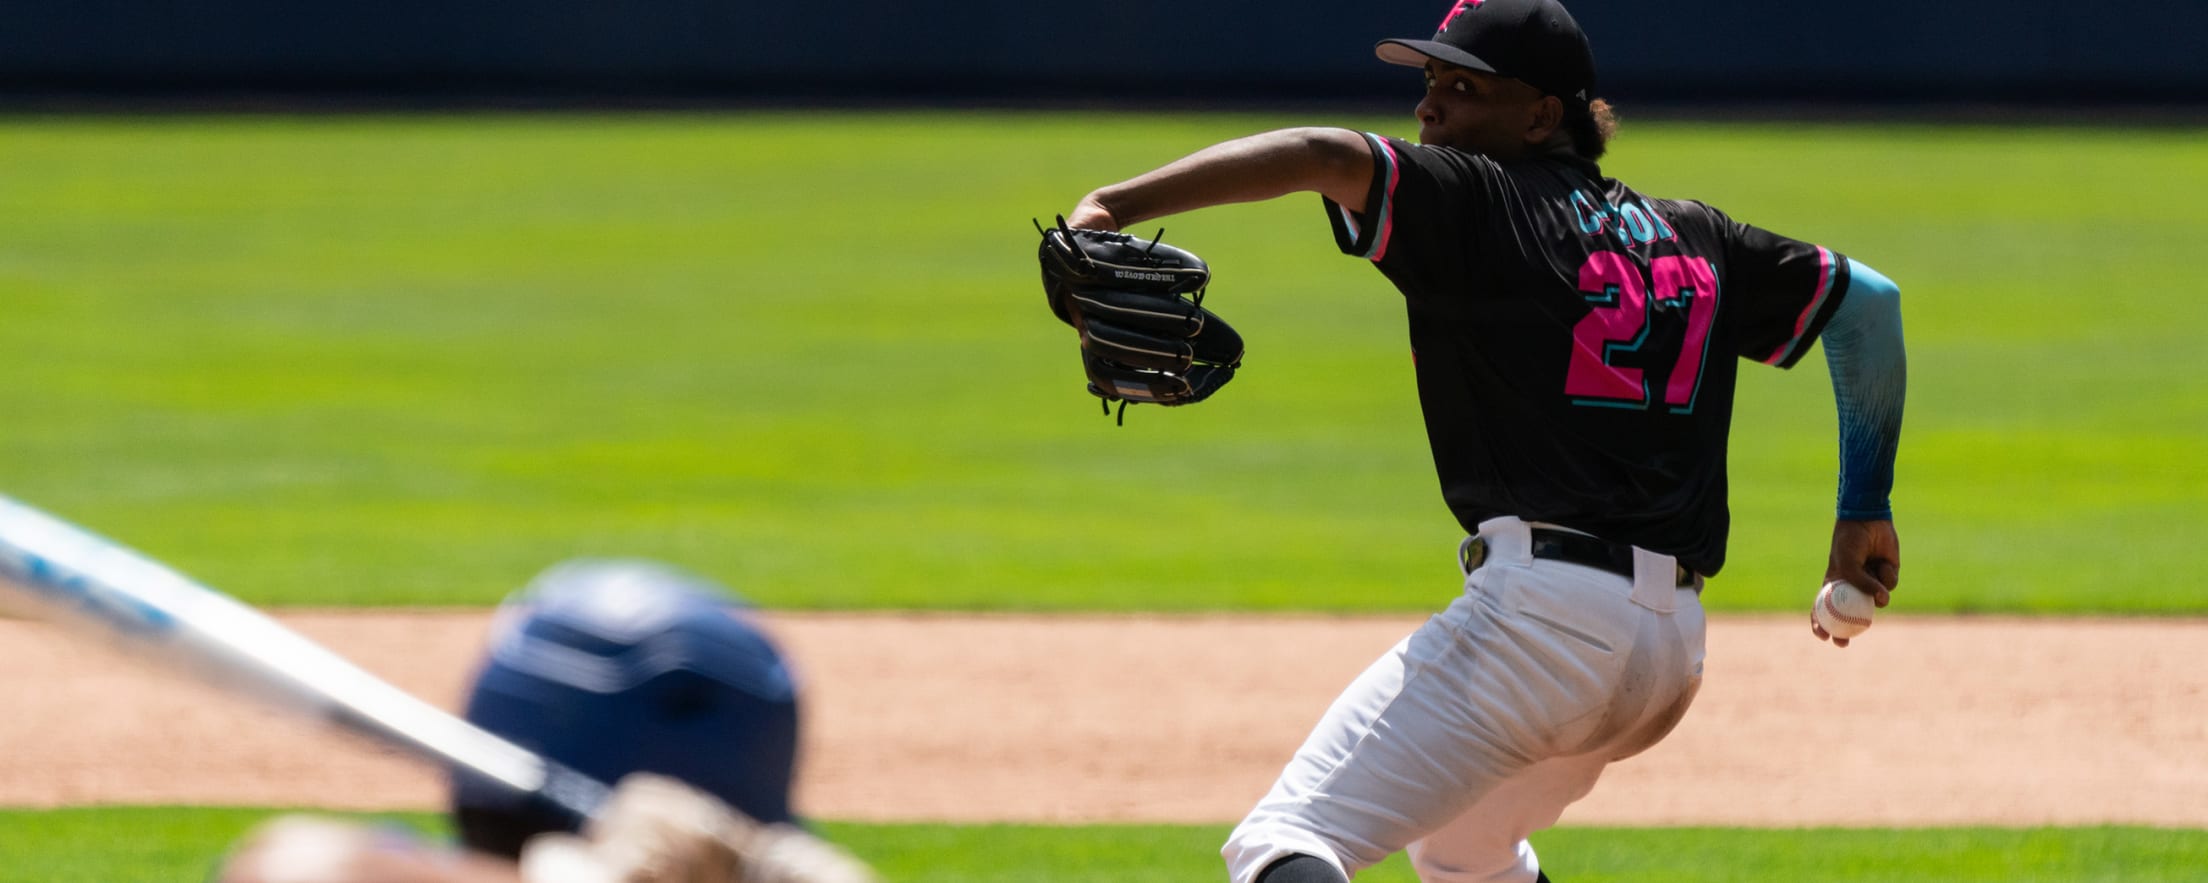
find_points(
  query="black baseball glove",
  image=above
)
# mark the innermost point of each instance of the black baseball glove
(1138, 304)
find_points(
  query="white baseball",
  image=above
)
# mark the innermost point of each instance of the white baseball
(1843, 610)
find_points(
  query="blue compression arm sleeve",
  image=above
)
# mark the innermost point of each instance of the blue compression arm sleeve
(1870, 378)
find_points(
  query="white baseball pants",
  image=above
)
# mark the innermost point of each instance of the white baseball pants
(1479, 728)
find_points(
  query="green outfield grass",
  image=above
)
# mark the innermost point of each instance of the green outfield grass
(111, 845)
(356, 360)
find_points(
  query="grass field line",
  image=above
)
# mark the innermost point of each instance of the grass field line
(370, 360)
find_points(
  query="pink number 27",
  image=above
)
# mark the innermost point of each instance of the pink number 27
(1683, 287)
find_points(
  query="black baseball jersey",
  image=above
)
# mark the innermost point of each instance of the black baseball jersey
(1574, 339)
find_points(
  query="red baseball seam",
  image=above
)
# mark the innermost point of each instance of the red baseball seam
(1832, 609)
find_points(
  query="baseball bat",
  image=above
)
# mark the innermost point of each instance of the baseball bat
(69, 576)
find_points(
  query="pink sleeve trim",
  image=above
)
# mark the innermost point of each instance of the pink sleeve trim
(1387, 200)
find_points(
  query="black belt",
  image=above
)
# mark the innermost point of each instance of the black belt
(1574, 548)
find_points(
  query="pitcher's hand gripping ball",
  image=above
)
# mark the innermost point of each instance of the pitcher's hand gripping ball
(1843, 610)
(1138, 305)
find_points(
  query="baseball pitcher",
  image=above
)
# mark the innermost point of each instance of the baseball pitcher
(1575, 343)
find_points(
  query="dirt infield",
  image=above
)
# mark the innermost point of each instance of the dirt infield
(1186, 719)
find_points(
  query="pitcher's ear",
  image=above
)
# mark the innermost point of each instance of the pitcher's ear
(1547, 118)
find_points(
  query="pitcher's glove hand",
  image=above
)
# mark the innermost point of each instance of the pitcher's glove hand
(1138, 304)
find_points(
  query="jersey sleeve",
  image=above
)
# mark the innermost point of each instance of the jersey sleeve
(1415, 202)
(1785, 289)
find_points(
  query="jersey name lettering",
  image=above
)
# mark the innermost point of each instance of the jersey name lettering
(1631, 224)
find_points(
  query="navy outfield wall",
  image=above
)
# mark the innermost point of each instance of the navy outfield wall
(2114, 51)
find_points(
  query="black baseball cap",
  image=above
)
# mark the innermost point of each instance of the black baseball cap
(1531, 40)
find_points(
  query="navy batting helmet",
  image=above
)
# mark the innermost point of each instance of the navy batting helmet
(616, 667)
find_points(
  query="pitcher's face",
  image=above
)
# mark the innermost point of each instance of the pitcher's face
(1478, 112)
